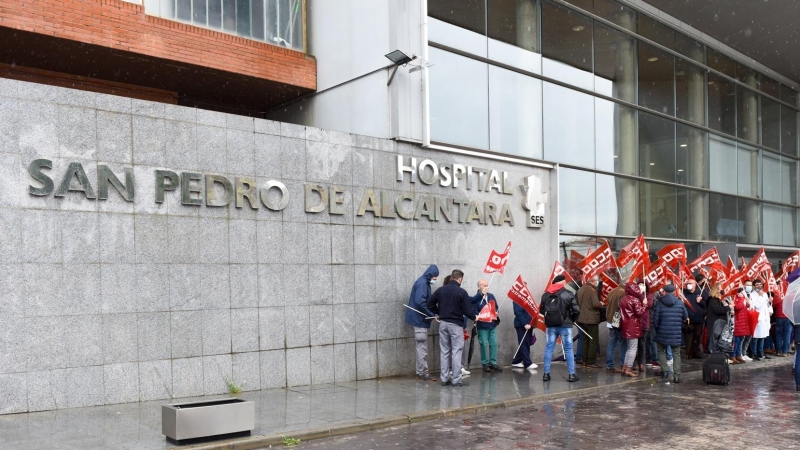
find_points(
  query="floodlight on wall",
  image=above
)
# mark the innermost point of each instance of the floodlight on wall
(398, 58)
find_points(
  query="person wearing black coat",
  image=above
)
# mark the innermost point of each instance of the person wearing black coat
(524, 329)
(716, 309)
(668, 318)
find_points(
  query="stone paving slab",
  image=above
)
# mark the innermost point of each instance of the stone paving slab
(312, 412)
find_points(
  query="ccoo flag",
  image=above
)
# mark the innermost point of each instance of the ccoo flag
(597, 262)
(672, 254)
(521, 295)
(497, 261)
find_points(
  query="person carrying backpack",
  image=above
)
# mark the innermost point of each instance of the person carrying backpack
(560, 309)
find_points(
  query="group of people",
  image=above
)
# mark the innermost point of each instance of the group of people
(646, 327)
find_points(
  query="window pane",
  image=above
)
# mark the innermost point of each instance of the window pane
(514, 22)
(656, 83)
(615, 132)
(773, 224)
(746, 114)
(691, 92)
(788, 180)
(748, 212)
(616, 200)
(199, 15)
(656, 31)
(748, 168)
(721, 104)
(215, 14)
(771, 166)
(722, 164)
(576, 201)
(656, 147)
(788, 131)
(459, 100)
(614, 64)
(566, 36)
(258, 19)
(724, 225)
(721, 63)
(229, 15)
(691, 156)
(184, 8)
(610, 10)
(515, 113)
(748, 76)
(694, 216)
(790, 236)
(788, 95)
(243, 17)
(770, 123)
(658, 210)
(770, 86)
(469, 14)
(689, 47)
(568, 130)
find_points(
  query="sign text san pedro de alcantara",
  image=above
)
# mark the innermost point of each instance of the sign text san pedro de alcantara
(196, 189)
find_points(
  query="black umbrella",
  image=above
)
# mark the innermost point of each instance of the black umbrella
(472, 344)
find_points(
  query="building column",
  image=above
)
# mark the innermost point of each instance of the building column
(527, 25)
(750, 119)
(626, 120)
(698, 201)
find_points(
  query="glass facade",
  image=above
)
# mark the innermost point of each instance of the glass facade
(277, 22)
(656, 132)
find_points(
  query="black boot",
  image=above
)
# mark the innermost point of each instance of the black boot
(573, 378)
(546, 377)
(677, 379)
(495, 367)
(487, 368)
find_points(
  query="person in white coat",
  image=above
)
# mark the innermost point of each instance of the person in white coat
(760, 301)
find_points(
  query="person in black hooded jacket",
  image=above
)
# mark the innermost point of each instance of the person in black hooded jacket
(668, 318)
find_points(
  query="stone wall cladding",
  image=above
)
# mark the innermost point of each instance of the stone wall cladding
(107, 301)
(124, 26)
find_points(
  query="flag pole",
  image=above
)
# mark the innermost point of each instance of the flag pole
(520, 343)
(423, 314)
(584, 332)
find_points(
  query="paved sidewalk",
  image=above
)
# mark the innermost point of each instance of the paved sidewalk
(311, 412)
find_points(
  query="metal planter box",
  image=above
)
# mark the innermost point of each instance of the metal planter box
(182, 421)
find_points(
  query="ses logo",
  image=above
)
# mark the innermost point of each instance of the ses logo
(534, 201)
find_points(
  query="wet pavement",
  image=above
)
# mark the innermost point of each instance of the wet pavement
(333, 409)
(760, 409)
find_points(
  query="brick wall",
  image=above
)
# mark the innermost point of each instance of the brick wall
(124, 26)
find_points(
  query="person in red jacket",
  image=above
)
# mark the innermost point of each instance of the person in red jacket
(632, 306)
(741, 325)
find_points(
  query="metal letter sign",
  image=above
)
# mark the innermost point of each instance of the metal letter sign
(534, 201)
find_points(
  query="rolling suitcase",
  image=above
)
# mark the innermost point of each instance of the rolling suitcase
(716, 369)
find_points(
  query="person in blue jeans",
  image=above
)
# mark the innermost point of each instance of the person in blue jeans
(615, 340)
(783, 328)
(560, 309)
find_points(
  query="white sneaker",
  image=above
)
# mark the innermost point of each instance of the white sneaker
(730, 361)
(747, 358)
(518, 365)
(669, 363)
(533, 366)
(465, 371)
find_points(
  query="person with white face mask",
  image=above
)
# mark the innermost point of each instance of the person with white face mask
(697, 310)
(761, 303)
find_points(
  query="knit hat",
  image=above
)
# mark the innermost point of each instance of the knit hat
(669, 288)
(558, 278)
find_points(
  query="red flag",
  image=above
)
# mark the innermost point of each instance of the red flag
(731, 285)
(673, 254)
(730, 267)
(571, 264)
(742, 265)
(792, 262)
(600, 260)
(497, 261)
(558, 269)
(772, 283)
(756, 265)
(521, 295)
(635, 250)
(709, 258)
(608, 286)
(656, 275)
(488, 313)
(676, 281)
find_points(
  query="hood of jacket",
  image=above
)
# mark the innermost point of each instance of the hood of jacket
(432, 271)
(669, 300)
(555, 287)
(632, 289)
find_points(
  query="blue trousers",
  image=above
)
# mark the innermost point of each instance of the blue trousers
(615, 342)
(757, 347)
(737, 345)
(783, 334)
(566, 339)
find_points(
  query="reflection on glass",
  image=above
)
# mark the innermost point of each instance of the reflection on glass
(746, 114)
(567, 138)
(656, 147)
(459, 100)
(790, 236)
(722, 164)
(788, 131)
(514, 22)
(614, 63)
(770, 123)
(771, 176)
(469, 14)
(243, 17)
(184, 8)
(616, 206)
(723, 222)
(788, 95)
(773, 224)
(215, 14)
(515, 113)
(658, 210)
(748, 76)
(615, 137)
(199, 12)
(566, 36)
(258, 19)
(576, 201)
(656, 82)
(689, 47)
(770, 86)
(749, 170)
(748, 212)
(789, 180)
(696, 210)
(690, 87)
(691, 156)
(610, 10)
(721, 63)
(656, 31)
(721, 104)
